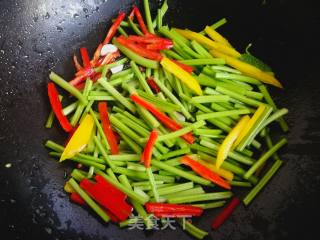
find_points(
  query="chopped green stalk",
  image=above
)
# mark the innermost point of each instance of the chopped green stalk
(114, 92)
(135, 119)
(202, 131)
(134, 146)
(276, 115)
(70, 108)
(153, 184)
(148, 15)
(237, 77)
(193, 230)
(141, 193)
(192, 191)
(87, 88)
(222, 114)
(200, 49)
(264, 180)
(263, 89)
(175, 153)
(240, 184)
(239, 97)
(122, 31)
(228, 166)
(163, 9)
(180, 173)
(200, 197)
(121, 74)
(137, 206)
(142, 175)
(174, 189)
(209, 99)
(140, 77)
(78, 175)
(173, 98)
(255, 95)
(172, 54)
(216, 25)
(122, 188)
(210, 205)
(264, 158)
(145, 183)
(103, 152)
(225, 69)
(123, 128)
(101, 98)
(88, 200)
(135, 57)
(163, 105)
(67, 86)
(111, 174)
(134, 27)
(49, 120)
(163, 131)
(181, 131)
(270, 145)
(159, 19)
(130, 221)
(219, 108)
(136, 167)
(203, 61)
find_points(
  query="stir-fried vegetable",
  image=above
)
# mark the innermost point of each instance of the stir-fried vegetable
(163, 121)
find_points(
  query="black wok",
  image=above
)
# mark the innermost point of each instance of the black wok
(37, 36)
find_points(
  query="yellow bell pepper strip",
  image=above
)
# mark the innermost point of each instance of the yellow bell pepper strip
(220, 171)
(183, 75)
(214, 35)
(209, 43)
(80, 138)
(227, 143)
(247, 69)
(249, 125)
(67, 188)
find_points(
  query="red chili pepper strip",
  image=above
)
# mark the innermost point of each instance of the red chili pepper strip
(96, 55)
(158, 46)
(169, 208)
(185, 67)
(173, 215)
(76, 198)
(131, 15)
(80, 86)
(109, 58)
(76, 63)
(140, 20)
(82, 75)
(108, 197)
(139, 49)
(168, 122)
(113, 29)
(150, 39)
(112, 189)
(85, 57)
(205, 172)
(106, 125)
(147, 152)
(225, 213)
(57, 108)
(153, 85)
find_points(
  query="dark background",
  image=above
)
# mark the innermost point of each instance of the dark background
(37, 36)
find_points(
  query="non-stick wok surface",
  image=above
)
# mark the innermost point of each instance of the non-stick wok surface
(37, 36)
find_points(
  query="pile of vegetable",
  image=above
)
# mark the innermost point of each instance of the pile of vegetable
(166, 122)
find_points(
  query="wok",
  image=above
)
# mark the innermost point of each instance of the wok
(37, 36)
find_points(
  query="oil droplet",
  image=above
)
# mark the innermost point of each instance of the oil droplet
(60, 29)
(76, 15)
(47, 16)
(85, 10)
